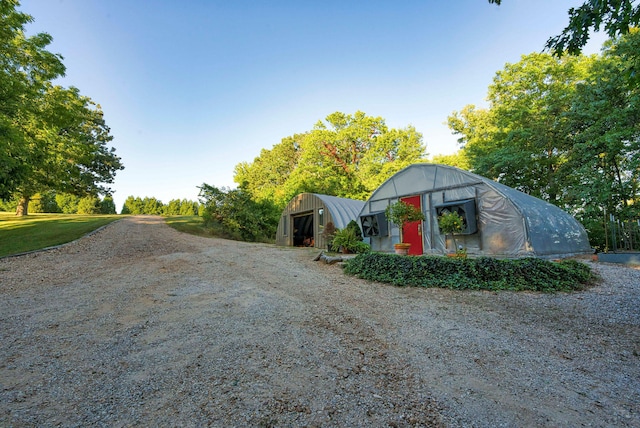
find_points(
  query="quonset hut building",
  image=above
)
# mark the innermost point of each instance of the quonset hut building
(498, 220)
(305, 216)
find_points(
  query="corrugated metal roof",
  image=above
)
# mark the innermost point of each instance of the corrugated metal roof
(342, 210)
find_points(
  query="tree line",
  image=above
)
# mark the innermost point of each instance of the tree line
(346, 155)
(67, 203)
(52, 138)
(64, 203)
(564, 129)
(152, 206)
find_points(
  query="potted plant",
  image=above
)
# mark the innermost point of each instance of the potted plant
(451, 223)
(401, 213)
(328, 233)
(347, 241)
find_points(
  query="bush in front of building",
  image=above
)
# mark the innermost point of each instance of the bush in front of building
(483, 273)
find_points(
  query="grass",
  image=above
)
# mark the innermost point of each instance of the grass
(194, 225)
(37, 231)
(191, 224)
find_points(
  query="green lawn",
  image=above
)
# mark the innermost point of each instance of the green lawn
(191, 224)
(36, 231)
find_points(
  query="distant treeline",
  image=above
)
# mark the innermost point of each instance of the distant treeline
(153, 206)
(64, 203)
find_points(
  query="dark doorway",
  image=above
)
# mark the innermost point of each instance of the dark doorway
(303, 231)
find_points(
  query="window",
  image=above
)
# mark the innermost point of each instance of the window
(321, 216)
(465, 209)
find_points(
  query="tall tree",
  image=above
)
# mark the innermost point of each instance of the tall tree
(67, 202)
(132, 205)
(26, 67)
(266, 176)
(523, 139)
(566, 130)
(107, 206)
(616, 16)
(345, 155)
(51, 138)
(605, 118)
(458, 159)
(67, 139)
(89, 205)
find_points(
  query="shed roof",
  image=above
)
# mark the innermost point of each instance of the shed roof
(342, 210)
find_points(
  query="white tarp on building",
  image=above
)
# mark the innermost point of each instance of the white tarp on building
(501, 221)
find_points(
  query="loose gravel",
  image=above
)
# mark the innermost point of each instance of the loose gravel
(140, 325)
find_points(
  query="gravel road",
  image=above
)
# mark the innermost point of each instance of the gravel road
(140, 325)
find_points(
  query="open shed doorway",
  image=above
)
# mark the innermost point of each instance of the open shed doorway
(303, 235)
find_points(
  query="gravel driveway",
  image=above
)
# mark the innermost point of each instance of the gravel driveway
(140, 325)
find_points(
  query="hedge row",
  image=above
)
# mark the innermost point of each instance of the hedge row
(484, 273)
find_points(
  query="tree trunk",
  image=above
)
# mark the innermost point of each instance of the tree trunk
(23, 206)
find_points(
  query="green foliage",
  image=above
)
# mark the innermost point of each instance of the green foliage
(189, 208)
(523, 139)
(181, 207)
(152, 206)
(565, 130)
(107, 206)
(89, 205)
(606, 152)
(173, 207)
(345, 155)
(68, 203)
(53, 138)
(353, 225)
(25, 69)
(350, 239)
(617, 16)
(458, 159)
(267, 176)
(137, 206)
(238, 215)
(44, 203)
(450, 222)
(9, 205)
(484, 273)
(401, 213)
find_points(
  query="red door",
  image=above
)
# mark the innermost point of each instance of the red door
(412, 232)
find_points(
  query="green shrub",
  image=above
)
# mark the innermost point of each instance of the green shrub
(89, 205)
(237, 215)
(353, 225)
(348, 239)
(482, 273)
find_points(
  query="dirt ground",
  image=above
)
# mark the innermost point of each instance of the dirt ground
(140, 325)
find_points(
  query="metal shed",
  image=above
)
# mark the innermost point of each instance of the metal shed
(305, 216)
(498, 220)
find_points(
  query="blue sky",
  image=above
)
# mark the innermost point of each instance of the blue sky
(191, 88)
